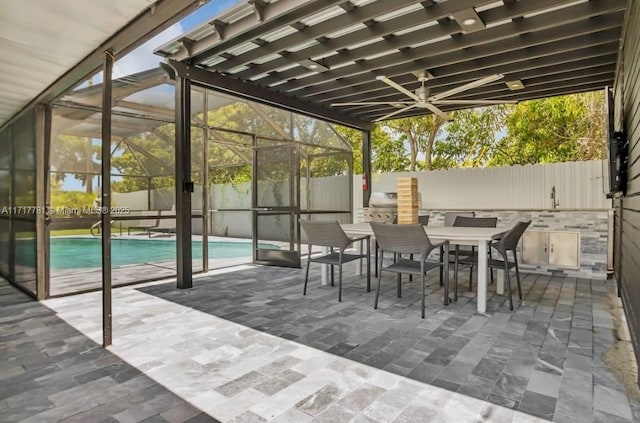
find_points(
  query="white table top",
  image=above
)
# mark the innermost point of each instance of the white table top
(452, 233)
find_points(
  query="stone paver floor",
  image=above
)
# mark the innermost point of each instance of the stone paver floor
(245, 345)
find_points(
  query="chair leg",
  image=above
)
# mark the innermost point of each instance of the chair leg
(441, 271)
(471, 278)
(399, 285)
(491, 268)
(306, 276)
(515, 260)
(422, 292)
(445, 264)
(375, 304)
(410, 276)
(340, 282)
(376, 248)
(332, 271)
(508, 280)
(455, 274)
(368, 265)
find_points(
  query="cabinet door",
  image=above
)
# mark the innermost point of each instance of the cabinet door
(534, 247)
(564, 249)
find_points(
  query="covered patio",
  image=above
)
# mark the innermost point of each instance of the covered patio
(236, 349)
(243, 344)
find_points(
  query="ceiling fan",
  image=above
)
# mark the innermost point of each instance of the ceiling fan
(422, 100)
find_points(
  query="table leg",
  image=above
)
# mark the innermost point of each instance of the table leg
(500, 282)
(482, 276)
(358, 263)
(325, 269)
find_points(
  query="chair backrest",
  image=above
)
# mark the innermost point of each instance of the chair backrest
(450, 217)
(169, 223)
(402, 239)
(325, 234)
(510, 240)
(423, 220)
(476, 222)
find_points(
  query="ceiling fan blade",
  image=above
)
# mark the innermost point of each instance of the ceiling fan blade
(372, 103)
(398, 87)
(465, 87)
(476, 102)
(437, 111)
(385, 117)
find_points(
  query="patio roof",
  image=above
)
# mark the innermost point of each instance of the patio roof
(553, 47)
(49, 45)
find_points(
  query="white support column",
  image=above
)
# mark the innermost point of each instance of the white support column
(482, 276)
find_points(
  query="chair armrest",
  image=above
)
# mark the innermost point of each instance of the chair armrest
(438, 245)
(360, 238)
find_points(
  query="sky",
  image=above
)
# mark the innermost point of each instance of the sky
(142, 58)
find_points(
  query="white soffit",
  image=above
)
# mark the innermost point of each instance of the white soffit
(40, 40)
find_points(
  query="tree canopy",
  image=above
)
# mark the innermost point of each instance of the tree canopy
(557, 129)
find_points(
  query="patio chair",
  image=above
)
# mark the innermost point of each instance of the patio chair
(145, 228)
(449, 219)
(508, 242)
(330, 234)
(469, 254)
(165, 226)
(423, 220)
(408, 239)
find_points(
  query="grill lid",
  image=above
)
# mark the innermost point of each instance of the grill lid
(384, 199)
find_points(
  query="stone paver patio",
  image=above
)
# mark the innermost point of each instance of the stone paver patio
(245, 345)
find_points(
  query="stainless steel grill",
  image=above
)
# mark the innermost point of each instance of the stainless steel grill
(383, 207)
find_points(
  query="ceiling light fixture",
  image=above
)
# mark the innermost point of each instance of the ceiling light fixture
(313, 65)
(515, 84)
(469, 20)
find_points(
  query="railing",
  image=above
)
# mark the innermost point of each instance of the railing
(98, 226)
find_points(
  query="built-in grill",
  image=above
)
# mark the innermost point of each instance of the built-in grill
(383, 207)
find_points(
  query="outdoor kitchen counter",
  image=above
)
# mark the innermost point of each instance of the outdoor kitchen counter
(592, 225)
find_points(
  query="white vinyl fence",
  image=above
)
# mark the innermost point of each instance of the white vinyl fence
(578, 185)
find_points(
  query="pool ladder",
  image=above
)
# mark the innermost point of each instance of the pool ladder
(97, 226)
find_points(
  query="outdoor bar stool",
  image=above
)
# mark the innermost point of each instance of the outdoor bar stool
(470, 255)
(412, 240)
(508, 242)
(330, 234)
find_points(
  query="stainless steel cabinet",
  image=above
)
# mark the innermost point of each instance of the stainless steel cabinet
(535, 247)
(558, 249)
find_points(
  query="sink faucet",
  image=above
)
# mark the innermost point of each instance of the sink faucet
(554, 203)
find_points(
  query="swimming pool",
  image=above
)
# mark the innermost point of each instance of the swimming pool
(73, 253)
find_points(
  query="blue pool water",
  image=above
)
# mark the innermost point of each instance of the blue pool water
(72, 253)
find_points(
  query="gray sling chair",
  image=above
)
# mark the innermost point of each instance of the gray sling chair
(508, 242)
(449, 219)
(470, 255)
(423, 220)
(409, 239)
(330, 234)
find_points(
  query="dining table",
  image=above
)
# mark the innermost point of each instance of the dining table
(456, 235)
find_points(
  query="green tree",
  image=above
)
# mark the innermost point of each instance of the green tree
(556, 129)
(387, 154)
(420, 133)
(149, 154)
(470, 139)
(75, 155)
